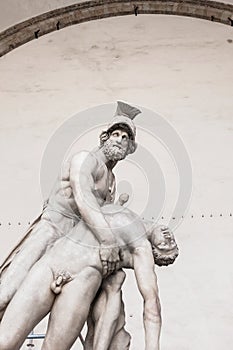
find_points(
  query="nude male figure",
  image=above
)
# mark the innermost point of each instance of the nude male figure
(86, 182)
(106, 319)
(66, 279)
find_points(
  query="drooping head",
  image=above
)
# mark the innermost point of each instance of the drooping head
(164, 247)
(119, 139)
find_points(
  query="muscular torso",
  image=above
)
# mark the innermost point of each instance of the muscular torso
(62, 196)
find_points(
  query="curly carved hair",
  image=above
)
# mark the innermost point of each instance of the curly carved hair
(164, 259)
(164, 246)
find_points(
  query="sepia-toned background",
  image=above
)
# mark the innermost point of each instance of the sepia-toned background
(182, 69)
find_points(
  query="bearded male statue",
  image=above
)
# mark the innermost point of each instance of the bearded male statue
(86, 183)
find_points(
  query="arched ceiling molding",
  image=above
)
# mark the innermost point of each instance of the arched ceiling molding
(84, 11)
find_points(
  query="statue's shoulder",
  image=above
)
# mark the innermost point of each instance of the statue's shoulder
(121, 216)
(83, 156)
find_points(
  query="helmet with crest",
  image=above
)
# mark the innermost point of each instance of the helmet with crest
(124, 119)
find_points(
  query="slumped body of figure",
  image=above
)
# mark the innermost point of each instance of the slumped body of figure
(66, 279)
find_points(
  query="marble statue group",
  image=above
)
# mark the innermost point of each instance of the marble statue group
(71, 262)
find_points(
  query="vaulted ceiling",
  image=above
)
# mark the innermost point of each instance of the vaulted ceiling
(43, 17)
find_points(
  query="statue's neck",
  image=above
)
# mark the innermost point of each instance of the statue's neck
(110, 164)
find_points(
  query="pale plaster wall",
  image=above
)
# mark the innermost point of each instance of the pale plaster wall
(179, 67)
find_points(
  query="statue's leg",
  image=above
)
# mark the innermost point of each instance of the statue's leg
(29, 305)
(32, 249)
(88, 343)
(108, 316)
(70, 310)
(121, 340)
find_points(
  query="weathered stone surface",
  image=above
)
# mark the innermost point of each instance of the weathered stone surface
(91, 10)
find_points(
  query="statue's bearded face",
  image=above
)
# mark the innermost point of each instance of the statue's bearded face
(116, 146)
(164, 246)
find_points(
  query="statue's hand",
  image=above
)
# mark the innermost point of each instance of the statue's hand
(124, 197)
(110, 258)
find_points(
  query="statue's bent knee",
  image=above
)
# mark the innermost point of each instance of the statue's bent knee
(114, 282)
(121, 341)
(127, 340)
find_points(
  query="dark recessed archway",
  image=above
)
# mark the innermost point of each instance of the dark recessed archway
(84, 11)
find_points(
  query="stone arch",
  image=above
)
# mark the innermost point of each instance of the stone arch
(84, 11)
